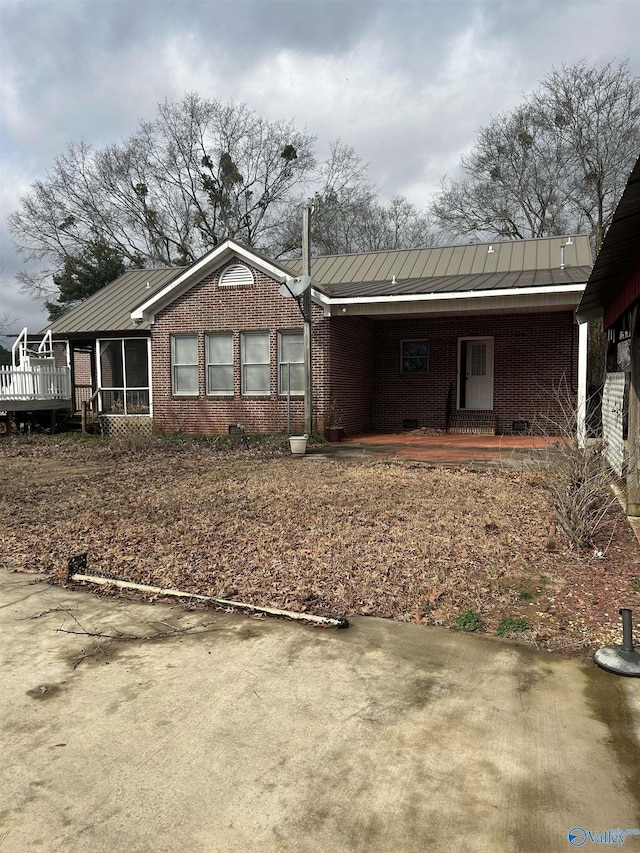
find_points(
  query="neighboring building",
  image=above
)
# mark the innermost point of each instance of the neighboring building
(613, 293)
(477, 337)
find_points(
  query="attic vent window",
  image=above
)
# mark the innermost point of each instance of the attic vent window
(236, 275)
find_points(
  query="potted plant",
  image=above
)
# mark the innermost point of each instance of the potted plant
(298, 444)
(334, 431)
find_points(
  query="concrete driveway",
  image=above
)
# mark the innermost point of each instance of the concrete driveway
(267, 735)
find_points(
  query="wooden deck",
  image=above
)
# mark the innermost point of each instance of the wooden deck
(35, 388)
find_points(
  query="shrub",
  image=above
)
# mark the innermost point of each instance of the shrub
(512, 625)
(468, 620)
(578, 478)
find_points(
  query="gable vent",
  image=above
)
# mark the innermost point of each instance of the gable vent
(236, 275)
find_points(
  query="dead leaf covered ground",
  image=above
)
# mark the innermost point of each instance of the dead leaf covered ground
(399, 540)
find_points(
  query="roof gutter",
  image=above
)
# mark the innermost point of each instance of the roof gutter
(465, 294)
(338, 302)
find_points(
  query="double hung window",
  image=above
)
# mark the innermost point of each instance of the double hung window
(255, 363)
(184, 365)
(414, 357)
(220, 365)
(290, 362)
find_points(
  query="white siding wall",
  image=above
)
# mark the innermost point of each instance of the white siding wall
(612, 415)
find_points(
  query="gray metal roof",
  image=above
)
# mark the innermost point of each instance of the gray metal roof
(109, 310)
(459, 283)
(498, 264)
(439, 269)
(620, 248)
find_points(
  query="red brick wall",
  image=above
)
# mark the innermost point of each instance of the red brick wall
(352, 372)
(532, 354)
(206, 308)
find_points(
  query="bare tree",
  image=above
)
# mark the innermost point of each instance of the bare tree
(555, 164)
(349, 217)
(199, 172)
(594, 114)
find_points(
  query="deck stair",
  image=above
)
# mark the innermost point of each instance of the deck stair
(473, 422)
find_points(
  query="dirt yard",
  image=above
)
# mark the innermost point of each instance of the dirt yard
(406, 541)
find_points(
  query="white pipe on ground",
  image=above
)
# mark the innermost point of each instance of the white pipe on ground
(239, 605)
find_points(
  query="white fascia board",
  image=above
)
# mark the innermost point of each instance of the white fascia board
(216, 256)
(464, 294)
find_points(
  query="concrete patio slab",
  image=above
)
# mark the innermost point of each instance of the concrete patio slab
(268, 735)
(446, 449)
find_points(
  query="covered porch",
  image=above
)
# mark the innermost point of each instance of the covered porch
(494, 374)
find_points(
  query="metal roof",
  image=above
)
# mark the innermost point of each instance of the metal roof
(619, 250)
(109, 310)
(487, 265)
(439, 269)
(460, 283)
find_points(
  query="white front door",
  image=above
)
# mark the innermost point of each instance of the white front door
(476, 373)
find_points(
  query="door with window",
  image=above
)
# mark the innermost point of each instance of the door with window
(475, 371)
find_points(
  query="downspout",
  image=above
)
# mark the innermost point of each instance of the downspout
(583, 329)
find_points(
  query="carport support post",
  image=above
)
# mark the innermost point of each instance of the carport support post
(306, 310)
(582, 385)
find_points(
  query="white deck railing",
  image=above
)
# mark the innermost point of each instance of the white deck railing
(33, 384)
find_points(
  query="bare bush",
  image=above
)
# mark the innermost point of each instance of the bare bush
(578, 478)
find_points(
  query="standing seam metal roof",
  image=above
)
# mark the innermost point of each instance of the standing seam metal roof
(542, 255)
(109, 310)
(439, 269)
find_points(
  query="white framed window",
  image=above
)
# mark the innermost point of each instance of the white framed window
(184, 365)
(219, 349)
(255, 363)
(237, 275)
(123, 376)
(414, 356)
(291, 362)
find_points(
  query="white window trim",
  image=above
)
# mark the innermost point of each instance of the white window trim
(208, 364)
(243, 364)
(284, 333)
(174, 391)
(414, 341)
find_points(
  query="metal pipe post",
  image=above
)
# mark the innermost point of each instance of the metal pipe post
(627, 630)
(306, 304)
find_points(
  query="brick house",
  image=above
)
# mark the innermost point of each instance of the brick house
(472, 337)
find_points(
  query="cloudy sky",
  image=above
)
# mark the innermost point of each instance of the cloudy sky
(406, 82)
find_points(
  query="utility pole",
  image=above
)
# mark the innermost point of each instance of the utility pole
(306, 311)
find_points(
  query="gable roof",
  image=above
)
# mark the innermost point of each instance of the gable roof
(129, 303)
(209, 262)
(619, 250)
